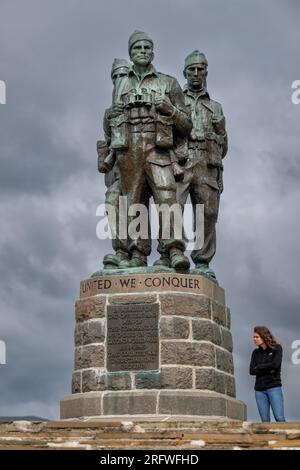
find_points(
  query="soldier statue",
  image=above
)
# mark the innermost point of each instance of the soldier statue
(106, 164)
(203, 178)
(151, 127)
(203, 171)
(146, 120)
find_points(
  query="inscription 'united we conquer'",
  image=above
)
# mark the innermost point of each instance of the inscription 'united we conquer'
(142, 283)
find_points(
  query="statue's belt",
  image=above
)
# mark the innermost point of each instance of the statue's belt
(197, 144)
(142, 127)
(201, 142)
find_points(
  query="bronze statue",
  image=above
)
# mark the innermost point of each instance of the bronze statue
(148, 118)
(203, 171)
(163, 142)
(203, 177)
(106, 164)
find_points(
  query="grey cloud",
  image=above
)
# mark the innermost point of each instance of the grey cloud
(55, 58)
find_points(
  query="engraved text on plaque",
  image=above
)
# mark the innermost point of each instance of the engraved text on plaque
(132, 337)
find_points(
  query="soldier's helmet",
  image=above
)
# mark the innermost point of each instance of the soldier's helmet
(195, 57)
(119, 67)
(138, 36)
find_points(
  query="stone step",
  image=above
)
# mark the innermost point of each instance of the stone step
(140, 434)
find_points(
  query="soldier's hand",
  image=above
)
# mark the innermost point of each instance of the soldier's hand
(178, 171)
(102, 168)
(163, 105)
(220, 180)
(115, 110)
(219, 123)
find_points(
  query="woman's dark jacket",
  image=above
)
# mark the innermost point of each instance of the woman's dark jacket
(266, 365)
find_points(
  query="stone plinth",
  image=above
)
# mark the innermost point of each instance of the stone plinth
(152, 433)
(152, 344)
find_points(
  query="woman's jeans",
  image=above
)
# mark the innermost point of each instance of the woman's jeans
(272, 397)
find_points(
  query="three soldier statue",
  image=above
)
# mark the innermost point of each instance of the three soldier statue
(166, 143)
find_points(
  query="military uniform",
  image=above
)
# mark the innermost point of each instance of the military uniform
(112, 177)
(112, 198)
(143, 138)
(203, 170)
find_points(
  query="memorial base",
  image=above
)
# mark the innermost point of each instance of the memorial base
(154, 344)
(153, 403)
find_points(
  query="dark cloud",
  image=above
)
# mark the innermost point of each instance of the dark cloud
(55, 58)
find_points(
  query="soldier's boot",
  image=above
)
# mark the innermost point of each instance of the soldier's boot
(112, 261)
(204, 269)
(137, 260)
(164, 260)
(178, 260)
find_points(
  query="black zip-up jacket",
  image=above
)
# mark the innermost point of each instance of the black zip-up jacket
(266, 365)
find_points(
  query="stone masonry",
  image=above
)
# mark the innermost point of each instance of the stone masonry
(111, 434)
(195, 373)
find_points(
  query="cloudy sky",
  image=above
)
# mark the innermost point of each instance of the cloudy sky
(55, 57)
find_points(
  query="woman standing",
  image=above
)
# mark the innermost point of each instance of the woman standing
(266, 365)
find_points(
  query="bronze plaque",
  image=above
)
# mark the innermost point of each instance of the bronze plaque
(132, 337)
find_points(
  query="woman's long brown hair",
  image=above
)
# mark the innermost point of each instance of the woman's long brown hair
(266, 336)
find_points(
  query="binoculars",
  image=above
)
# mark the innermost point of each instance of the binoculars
(134, 99)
